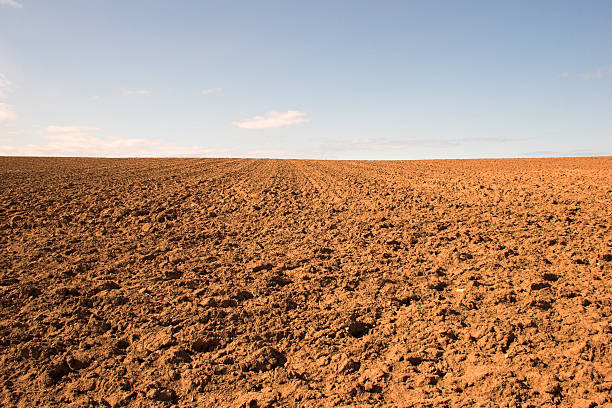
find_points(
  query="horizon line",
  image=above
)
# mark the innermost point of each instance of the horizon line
(303, 159)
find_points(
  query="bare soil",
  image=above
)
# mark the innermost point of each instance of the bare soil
(257, 283)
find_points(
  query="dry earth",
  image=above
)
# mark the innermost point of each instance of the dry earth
(254, 283)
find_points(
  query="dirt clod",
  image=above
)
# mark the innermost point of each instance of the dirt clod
(264, 359)
(161, 394)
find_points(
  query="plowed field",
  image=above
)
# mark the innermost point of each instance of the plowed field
(256, 283)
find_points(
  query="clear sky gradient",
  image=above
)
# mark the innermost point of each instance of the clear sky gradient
(306, 79)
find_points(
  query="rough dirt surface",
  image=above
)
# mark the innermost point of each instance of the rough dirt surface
(256, 283)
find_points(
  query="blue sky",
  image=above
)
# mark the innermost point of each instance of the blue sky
(307, 79)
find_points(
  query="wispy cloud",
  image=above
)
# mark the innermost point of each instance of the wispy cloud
(378, 145)
(273, 120)
(566, 153)
(564, 75)
(6, 112)
(70, 129)
(5, 86)
(281, 154)
(11, 3)
(208, 91)
(4, 82)
(85, 141)
(598, 73)
(137, 92)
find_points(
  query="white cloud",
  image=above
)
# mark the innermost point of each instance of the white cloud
(6, 113)
(4, 82)
(78, 141)
(273, 120)
(11, 3)
(384, 145)
(278, 154)
(5, 86)
(138, 92)
(564, 75)
(597, 74)
(211, 90)
(70, 129)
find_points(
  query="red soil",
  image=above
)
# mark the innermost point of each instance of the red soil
(218, 282)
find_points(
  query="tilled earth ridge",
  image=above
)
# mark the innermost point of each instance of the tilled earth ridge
(255, 283)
